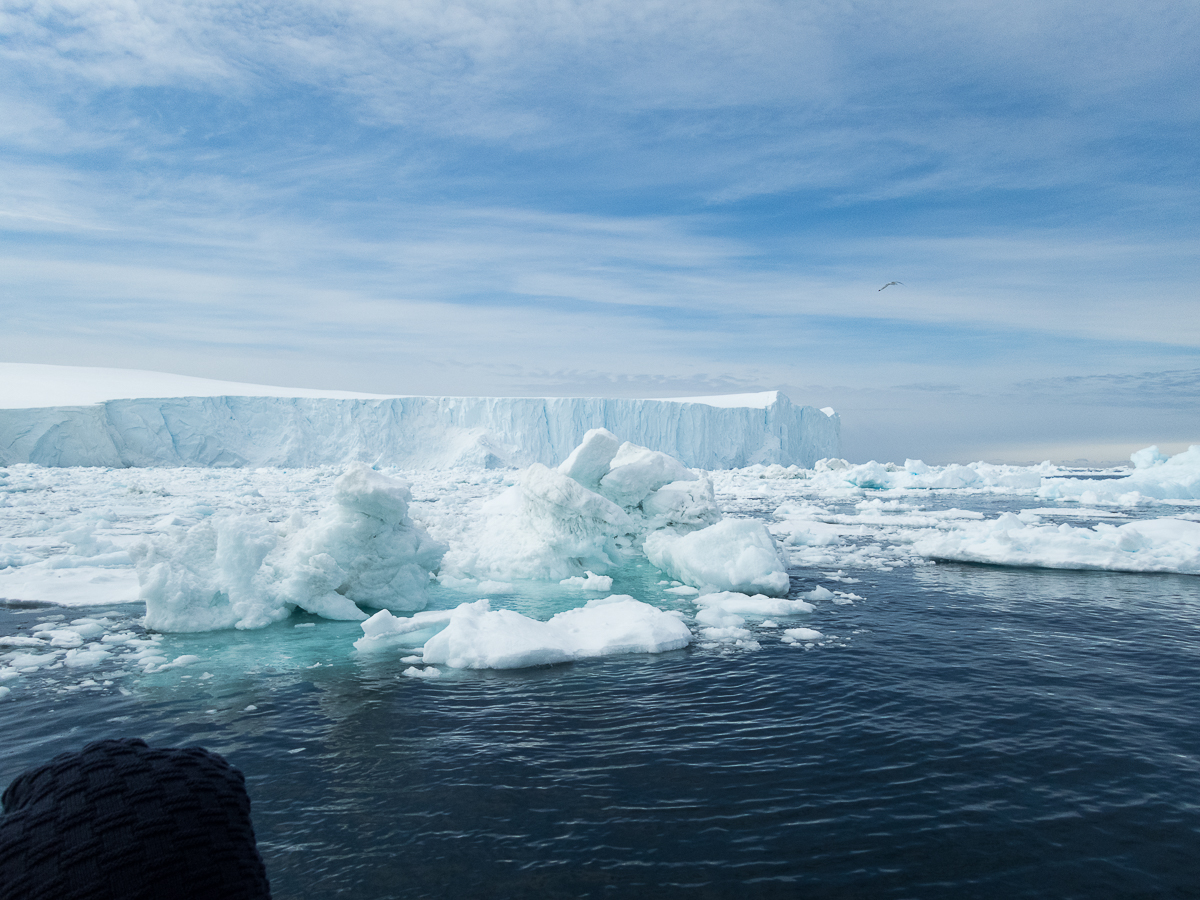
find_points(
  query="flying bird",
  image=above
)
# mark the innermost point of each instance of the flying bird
(889, 284)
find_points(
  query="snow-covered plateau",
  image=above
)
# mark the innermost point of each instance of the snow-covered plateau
(90, 419)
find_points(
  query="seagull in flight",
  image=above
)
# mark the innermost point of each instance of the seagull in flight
(889, 284)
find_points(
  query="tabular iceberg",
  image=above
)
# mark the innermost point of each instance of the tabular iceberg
(409, 432)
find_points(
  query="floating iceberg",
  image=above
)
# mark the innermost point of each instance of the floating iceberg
(246, 425)
(240, 571)
(1151, 545)
(589, 514)
(916, 475)
(589, 581)
(722, 615)
(1154, 476)
(736, 555)
(475, 636)
(547, 527)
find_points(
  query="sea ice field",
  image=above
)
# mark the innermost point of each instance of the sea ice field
(619, 675)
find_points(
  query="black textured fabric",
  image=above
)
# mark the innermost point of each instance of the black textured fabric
(125, 821)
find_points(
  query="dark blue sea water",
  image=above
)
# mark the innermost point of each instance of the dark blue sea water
(976, 732)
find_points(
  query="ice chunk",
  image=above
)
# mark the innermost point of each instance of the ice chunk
(589, 462)
(590, 581)
(475, 636)
(427, 672)
(916, 475)
(800, 635)
(687, 504)
(61, 637)
(212, 577)
(363, 550)
(12, 556)
(548, 527)
(10, 640)
(237, 571)
(384, 630)
(637, 471)
(1147, 457)
(735, 603)
(496, 587)
(1177, 478)
(1154, 545)
(363, 490)
(23, 661)
(479, 637)
(75, 585)
(722, 616)
(82, 658)
(830, 464)
(732, 555)
(620, 624)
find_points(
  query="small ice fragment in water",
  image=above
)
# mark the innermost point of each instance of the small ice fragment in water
(494, 587)
(798, 635)
(427, 672)
(589, 581)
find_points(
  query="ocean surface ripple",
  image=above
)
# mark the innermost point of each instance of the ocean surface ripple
(975, 732)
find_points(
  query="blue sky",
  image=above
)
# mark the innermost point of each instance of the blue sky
(625, 199)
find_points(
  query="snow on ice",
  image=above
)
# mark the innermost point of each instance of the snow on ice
(1155, 477)
(1156, 545)
(733, 555)
(241, 571)
(589, 514)
(475, 636)
(228, 547)
(91, 420)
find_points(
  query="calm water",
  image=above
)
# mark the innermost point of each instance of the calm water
(976, 732)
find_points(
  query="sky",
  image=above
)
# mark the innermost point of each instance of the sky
(628, 199)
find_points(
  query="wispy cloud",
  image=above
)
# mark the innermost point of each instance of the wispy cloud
(1176, 388)
(532, 196)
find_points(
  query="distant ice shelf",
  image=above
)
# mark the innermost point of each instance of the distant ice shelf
(224, 424)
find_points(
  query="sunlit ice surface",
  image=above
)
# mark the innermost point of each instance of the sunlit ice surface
(931, 728)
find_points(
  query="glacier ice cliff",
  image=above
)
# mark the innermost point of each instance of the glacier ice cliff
(409, 432)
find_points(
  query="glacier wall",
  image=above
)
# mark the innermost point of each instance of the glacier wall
(406, 432)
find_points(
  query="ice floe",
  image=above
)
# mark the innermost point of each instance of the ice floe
(731, 555)
(1154, 477)
(475, 636)
(1154, 545)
